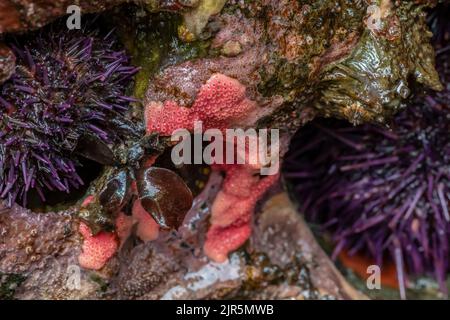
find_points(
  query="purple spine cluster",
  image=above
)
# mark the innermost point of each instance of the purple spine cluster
(67, 84)
(379, 192)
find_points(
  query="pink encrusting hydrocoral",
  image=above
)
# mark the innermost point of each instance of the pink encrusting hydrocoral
(146, 227)
(232, 210)
(220, 104)
(97, 249)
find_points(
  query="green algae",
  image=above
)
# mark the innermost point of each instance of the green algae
(320, 22)
(153, 42)
(102, 283)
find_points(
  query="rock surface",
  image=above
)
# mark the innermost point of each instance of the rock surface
(7, 62)
(292, 267)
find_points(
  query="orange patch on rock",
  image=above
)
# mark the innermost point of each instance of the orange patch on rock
(147, 228)
(359, 264)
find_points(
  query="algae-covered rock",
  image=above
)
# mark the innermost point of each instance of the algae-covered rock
(372, 82)
(195, 20)
(153, 42)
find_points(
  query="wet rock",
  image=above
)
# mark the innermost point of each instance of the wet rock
(30, 14)
(146, 271)
(7, 63)
(357, 87)
(320, 55)
(281, 234)
(20, 16)
(41, 250)
(28, 238)
(282, 261)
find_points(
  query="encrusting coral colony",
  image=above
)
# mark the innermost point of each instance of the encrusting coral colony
(359, 90)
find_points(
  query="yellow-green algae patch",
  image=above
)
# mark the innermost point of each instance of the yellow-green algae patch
(195, 20)
(153, 42)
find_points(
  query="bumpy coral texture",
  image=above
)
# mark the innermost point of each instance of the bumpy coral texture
(221, 103)
(232, 210)
(98, 249)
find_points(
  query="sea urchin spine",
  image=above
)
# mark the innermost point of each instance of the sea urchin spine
(379, 192)
(67, 85)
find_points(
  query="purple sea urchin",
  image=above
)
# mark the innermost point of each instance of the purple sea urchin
(381, 192)
(384, 193)
(68, 86)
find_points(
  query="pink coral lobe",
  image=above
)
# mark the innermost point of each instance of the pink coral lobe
(232, 210)
(220, 103)
(220, 241)
(96, 250)
(147, 228)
